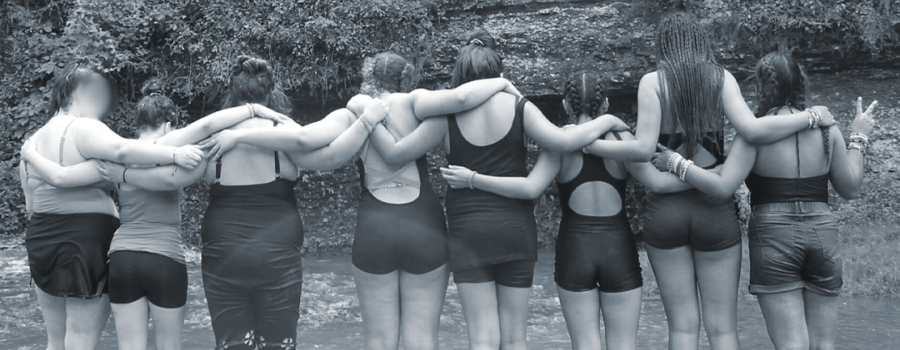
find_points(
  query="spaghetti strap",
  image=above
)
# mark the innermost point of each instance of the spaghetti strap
(277, 164)
(62, 141)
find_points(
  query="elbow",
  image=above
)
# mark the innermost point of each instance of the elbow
(465, 99)
(120, 155)
(850, 195)
(533, 193)
(754, 136)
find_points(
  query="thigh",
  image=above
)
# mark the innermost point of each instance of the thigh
(167, 325)
(480, 309)
(276, 300)
(621, 315)
(821, 318)
(582, 313)
(515, 274)
(718, 275)
(422, 300)
(85, 319)
(132, 322)
(785, 318)
(674, 270)
(512, 305)
(379, 304)
(53, 309)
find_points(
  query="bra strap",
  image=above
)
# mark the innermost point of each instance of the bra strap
(62, 141)
(218, 169)
(277, 160)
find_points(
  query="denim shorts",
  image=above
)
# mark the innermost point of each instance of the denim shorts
(792, 246)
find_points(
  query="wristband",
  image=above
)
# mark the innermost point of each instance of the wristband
(471, 178)
(123, 175)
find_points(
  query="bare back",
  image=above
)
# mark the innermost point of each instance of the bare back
(250, 165)
(389, 184)
(798, 156)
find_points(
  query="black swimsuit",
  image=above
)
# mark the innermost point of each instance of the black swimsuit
(692, 217)
(252, 236)
(595, 251)
(411, 236)
(488, 230)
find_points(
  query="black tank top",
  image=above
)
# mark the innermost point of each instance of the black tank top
(713, 142)
(593, 168)
(505, 157)
(764, 189)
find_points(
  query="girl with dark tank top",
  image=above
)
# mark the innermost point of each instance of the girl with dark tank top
(597, 263)
(492, 238)
(147, 268)
(795, 260)
(72, 222)
(693, 239)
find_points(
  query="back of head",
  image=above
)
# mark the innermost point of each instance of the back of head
(387, 72)
(154, 109)
(584, 93)
(253, 81)
(78, 75)
(478, 59)
(780, 81)
(690, 78)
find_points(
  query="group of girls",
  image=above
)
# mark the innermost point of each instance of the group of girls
(405, 245)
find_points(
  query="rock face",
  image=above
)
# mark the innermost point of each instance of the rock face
(543, 41)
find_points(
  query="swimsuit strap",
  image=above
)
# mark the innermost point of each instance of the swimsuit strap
(62, 141)
(277, 164)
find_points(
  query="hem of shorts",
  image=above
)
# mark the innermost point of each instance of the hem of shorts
(148, 301)
(72, 295)
(737, 242)
(455, 268)
(758, 289)
(821, 291)
(379, 272)
(182, 261)
(602, 290)
(731, 245)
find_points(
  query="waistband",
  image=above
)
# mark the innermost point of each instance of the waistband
(793, 207)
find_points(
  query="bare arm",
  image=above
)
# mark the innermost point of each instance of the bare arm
(424, 138)
(96, 140)
(643, 146)
(345, 146)
(565, 140)
(763, 130)
(428, 103)
(160, 178)
(82, 174)
(653, 179)
(722, 185)
(545, 170)
(217, 121)
(23, 179)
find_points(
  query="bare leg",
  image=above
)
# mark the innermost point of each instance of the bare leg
(785, 319)
(718, 274)
(421, 303)
(513, 311)
(821, 319)
(674, 270)
(479, 302)
(167, 324)
(85, 319)
(622, 316)
(54, 310)
(131, 324)
(379, 303)
(582, 312)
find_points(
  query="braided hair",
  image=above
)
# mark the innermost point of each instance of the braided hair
(781, 82)
(253, 81)
(585, 94)
(690, 80)
(154, 109)
(478, 59)
(387, 72)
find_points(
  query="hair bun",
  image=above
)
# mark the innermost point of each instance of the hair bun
(250, 65)
(476, 41)
(152, 86)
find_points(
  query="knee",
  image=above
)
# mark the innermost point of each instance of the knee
(382, 342)
(821, 345)
(684, 324)
(420, 342)
(721, 329)
(486, 343)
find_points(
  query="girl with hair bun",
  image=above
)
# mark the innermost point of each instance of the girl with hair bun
(492, 237)
(597, 265)
(400, 246)
(147, 270)
(71, 223)
(795, 260)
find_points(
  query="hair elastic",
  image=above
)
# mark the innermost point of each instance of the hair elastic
(476, 41)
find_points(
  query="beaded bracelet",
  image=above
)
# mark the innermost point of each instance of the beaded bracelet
(858, 136)
(674, 160)
(685, 165)
(471, 178)
(858, 146)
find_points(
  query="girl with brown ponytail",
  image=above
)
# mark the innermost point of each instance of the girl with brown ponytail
(795, 261)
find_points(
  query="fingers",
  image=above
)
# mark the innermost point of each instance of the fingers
(663, 147)
(859, 105)
(871, 107)
(216, 151)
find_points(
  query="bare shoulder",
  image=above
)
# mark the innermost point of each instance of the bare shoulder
(649, 81)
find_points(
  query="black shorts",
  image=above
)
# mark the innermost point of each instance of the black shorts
(411, 236)
(597, 252)
(517, 274)
(691, 218)
(67, 253)
(133, 275)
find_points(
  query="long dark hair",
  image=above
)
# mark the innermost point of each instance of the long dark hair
(478, 59)
(66, 81)
(584, 93)
(690, 79)
(253, 81)
(781, 82)
(154, 109)
(387, 72)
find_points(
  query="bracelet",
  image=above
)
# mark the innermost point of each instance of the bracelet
(252, 111)
(809, 118)
(674, 160)
(585, 150)
(123, 175)
(814, 118)
(858, 146)
(687, 164)
(471, 179)
(366, 123)
(858, 136)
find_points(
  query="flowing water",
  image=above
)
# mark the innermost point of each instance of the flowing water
(330, 319)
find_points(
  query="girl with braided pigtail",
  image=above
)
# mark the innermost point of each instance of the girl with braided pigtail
(795, 263)
(597, 267)
(693, 239)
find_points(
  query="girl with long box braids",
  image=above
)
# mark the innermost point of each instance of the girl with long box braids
(795, 260)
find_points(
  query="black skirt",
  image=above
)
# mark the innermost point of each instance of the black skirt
(67, 253)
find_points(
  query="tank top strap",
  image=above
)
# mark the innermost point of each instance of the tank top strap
(62, 141)
(277, 163)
